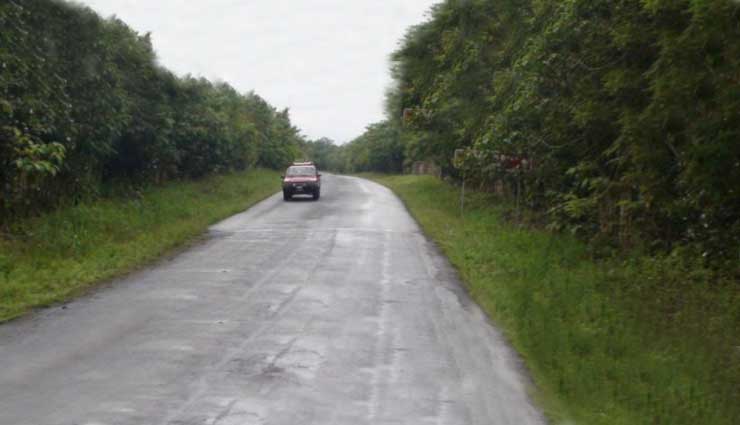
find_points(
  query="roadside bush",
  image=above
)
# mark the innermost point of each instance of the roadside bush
(83, 103)
(618, 120)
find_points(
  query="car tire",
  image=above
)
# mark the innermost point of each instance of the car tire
(286, 196)
(316, 195)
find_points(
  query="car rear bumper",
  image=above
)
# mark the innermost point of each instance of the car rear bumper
(299, 188)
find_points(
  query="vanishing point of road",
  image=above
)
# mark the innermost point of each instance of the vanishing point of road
(292, 313)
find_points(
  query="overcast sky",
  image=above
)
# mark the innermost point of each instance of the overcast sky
(326, 60)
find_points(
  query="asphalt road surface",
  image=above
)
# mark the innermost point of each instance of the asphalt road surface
(331, 312)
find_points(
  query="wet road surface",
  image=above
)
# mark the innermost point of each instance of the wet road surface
(331, 312)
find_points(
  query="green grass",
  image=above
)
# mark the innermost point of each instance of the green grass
(57, 256)
(618, 341)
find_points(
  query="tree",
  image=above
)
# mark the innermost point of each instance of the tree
(85, 107)
(627, 109)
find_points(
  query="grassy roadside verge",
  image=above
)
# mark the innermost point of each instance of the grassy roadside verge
(57, 256)
(616, 341)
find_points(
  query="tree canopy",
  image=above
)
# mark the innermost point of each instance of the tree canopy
(625, 112)
(84, 102)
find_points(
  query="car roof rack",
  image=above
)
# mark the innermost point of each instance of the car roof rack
(303, 163)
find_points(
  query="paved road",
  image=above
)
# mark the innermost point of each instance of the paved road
(330, 312)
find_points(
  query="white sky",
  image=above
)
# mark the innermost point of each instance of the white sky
(326, 60)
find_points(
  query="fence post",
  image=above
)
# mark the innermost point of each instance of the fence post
(462, 198)
(518, 200)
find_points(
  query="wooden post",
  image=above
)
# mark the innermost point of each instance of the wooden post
(462, 198)
(518, 196)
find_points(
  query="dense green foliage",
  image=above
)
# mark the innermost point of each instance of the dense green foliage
(83, 103)
(627, 112)
(379, 149)
(631, 341)
(57, 255)
(323, 152)
(618, 120)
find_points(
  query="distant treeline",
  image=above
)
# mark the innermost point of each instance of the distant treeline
(618, 118)
(379, 149)
(84, 104)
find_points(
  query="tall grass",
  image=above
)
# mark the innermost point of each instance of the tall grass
(643, 340)
(51, 258)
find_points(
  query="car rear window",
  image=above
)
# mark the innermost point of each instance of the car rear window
(301, 171)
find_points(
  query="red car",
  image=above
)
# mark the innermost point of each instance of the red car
(302, 178)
